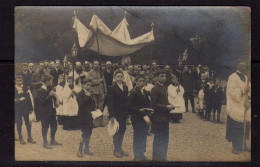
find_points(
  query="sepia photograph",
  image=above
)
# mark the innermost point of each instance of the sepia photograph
(132, 83)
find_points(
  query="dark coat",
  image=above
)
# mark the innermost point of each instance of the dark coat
(218, 96)
(208, 95)
(109, 77)
(136, 101)
(188, 82)
(159, 101)
(86, 106)
(46, 109)
(200, 83)
(26, 78)
(117, 101)
(55, 75)
(26, 104)
(36, 78)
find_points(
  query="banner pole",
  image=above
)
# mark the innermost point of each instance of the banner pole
(99, 57)
(246, 98)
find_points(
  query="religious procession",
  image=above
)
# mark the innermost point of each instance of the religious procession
(119, 97)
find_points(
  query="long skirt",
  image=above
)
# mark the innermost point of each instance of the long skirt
(235, 132)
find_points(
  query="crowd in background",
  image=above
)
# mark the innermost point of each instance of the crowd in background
(60, 88)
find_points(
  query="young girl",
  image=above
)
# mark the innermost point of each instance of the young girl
(175, 97)
(201, 102)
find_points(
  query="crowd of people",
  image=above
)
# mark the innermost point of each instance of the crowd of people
(146, 96)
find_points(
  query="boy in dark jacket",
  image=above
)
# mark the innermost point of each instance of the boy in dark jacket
(160, 119)
(117, 102)
(48, 101)
(218, 94)
(23, 107)
(138, 101)
(86, 106)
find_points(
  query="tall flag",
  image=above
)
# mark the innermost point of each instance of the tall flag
(185, 55)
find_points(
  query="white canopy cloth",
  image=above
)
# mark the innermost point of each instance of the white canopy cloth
(111, 43)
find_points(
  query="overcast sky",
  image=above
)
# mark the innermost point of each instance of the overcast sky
(39, 31)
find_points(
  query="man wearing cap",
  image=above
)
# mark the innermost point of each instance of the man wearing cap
(23, 107)
(98, 84)
(108, 73)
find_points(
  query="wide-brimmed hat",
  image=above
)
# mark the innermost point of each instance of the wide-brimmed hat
(113, 127)
(147, 120)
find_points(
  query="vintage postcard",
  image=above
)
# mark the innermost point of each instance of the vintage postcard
(128, 83)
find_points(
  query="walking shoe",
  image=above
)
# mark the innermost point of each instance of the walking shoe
(88, 152)
(124, 153)
(79, 154)
(247, 149)
(117, 154)
(30, 140)
(47, 146)
(193, 111)
(22, 141)
(144, 158)
(53, 142)
(235, 151)
(137, 159)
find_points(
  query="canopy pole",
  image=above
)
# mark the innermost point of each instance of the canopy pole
(151, 56)
(99, 57)
(246, 98)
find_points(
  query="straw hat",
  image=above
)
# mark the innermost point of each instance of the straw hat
(147, 120)
(113, 127)
(97, 118)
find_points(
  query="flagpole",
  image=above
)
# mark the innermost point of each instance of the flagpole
(246, 98)
(99, 57)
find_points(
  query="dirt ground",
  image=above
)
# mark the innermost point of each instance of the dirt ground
(191, 140)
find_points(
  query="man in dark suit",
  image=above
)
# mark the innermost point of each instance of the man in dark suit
(218, 94)
(138, 100)
(108, 74)
(86, 106)
(36, 83)
(30, 68)
(48, 101)
(189, 84)
(117, 107)
(26, 75)
(160, 120)
(23, 107)
(55, 72)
